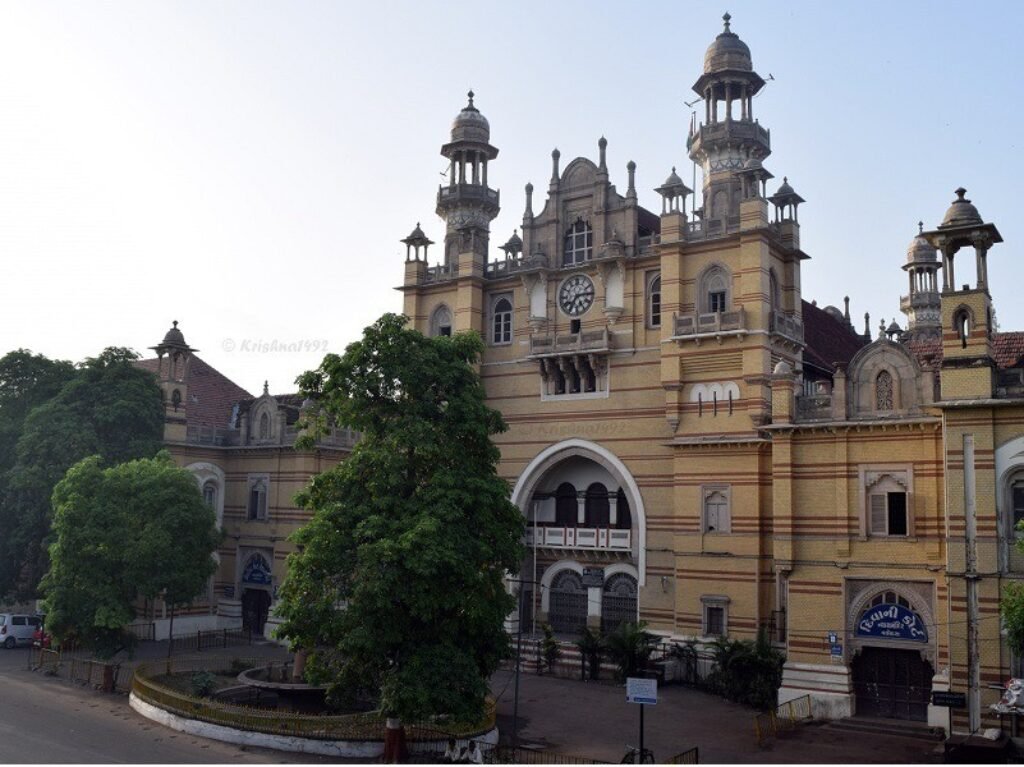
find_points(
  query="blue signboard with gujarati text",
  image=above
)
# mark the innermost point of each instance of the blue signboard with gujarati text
(257, 571)
(888, 621)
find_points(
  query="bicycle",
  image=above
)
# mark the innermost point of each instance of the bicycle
(631, 757)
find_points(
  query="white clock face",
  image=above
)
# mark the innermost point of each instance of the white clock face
(576, 295)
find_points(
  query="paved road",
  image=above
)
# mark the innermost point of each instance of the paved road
(593, 720)
(49, 720)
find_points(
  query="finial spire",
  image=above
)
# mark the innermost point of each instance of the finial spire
(174, 323)
(920, 227)
(471, 94)
(266, 387)
(726, 17)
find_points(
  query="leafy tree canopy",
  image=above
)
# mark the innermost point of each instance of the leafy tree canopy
(398, 584)
(107, 407)
(138, 528)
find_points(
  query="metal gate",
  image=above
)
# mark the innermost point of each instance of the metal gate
(567, 603)
(892, 683)
(618, 602)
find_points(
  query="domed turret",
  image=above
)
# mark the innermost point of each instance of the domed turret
(467, 203)
(470, 124)
(961, 212)
(729, 136)
(920, 250)
(727, 52)
(174, 337)
(922, 304)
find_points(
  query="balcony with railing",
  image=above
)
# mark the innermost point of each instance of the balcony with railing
(737, 131)
(441, 272)
(787, 326)
(586, 342)
(709, 323)
(479, 192)
(593, 538)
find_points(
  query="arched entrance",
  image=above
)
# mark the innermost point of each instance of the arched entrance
(892, 676)
(257, 581)
(892, 683)
(255, 609)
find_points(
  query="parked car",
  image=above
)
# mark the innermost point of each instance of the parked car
(18, 629)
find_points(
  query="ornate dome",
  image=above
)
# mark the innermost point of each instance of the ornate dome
(727, 52)
(961, 212)
(174, 336)
(920, 249)
(673, 179)
(784, 188)
(470, 125)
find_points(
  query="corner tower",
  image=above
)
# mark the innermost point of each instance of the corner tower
(174, 357)
(467, 204)
(922, 305)
(729, 136)
(968, 370)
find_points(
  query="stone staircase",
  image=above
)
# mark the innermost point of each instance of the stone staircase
(896, 727)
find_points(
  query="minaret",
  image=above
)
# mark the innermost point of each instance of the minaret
(729, 136)
(173, 359)
(466, 203)
(922, 305)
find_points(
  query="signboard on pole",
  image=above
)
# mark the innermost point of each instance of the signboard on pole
(643, 691)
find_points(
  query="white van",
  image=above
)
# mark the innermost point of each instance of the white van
(17, 629)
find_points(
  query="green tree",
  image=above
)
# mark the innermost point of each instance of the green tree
(591, 646)
(26, 381)
(138, 528)
(629, 646)
(398, 582)
(110, 408)
(1012, 607)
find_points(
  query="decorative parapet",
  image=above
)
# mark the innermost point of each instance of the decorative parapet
(817, 407)
(709, 324)
(441, 272)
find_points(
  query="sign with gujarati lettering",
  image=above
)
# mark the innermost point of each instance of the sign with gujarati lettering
(888, 621)
(593, 577)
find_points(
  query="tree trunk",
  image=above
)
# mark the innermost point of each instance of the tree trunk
(170, 634)
(299, 665)
(394, 742)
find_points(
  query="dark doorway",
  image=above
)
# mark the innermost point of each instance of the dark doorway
(255, 608)
(895, 684)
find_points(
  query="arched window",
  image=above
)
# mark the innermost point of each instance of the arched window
(597, 506)
(210, 494)
(579, 243)
(962, 325)
(618, 602)
(884, 391)
(716, 511)
(623, 519)
(567, 603)
(714, 290)
(654, 303)
(501, 321)
(566, 508)
(264, 426)
(774, 296)
(258, 497)
(441, 322)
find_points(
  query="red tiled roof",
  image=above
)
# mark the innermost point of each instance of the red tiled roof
(211, 394)
(1007, 349)
(828, 340)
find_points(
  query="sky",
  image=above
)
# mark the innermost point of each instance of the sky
(248, 168)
